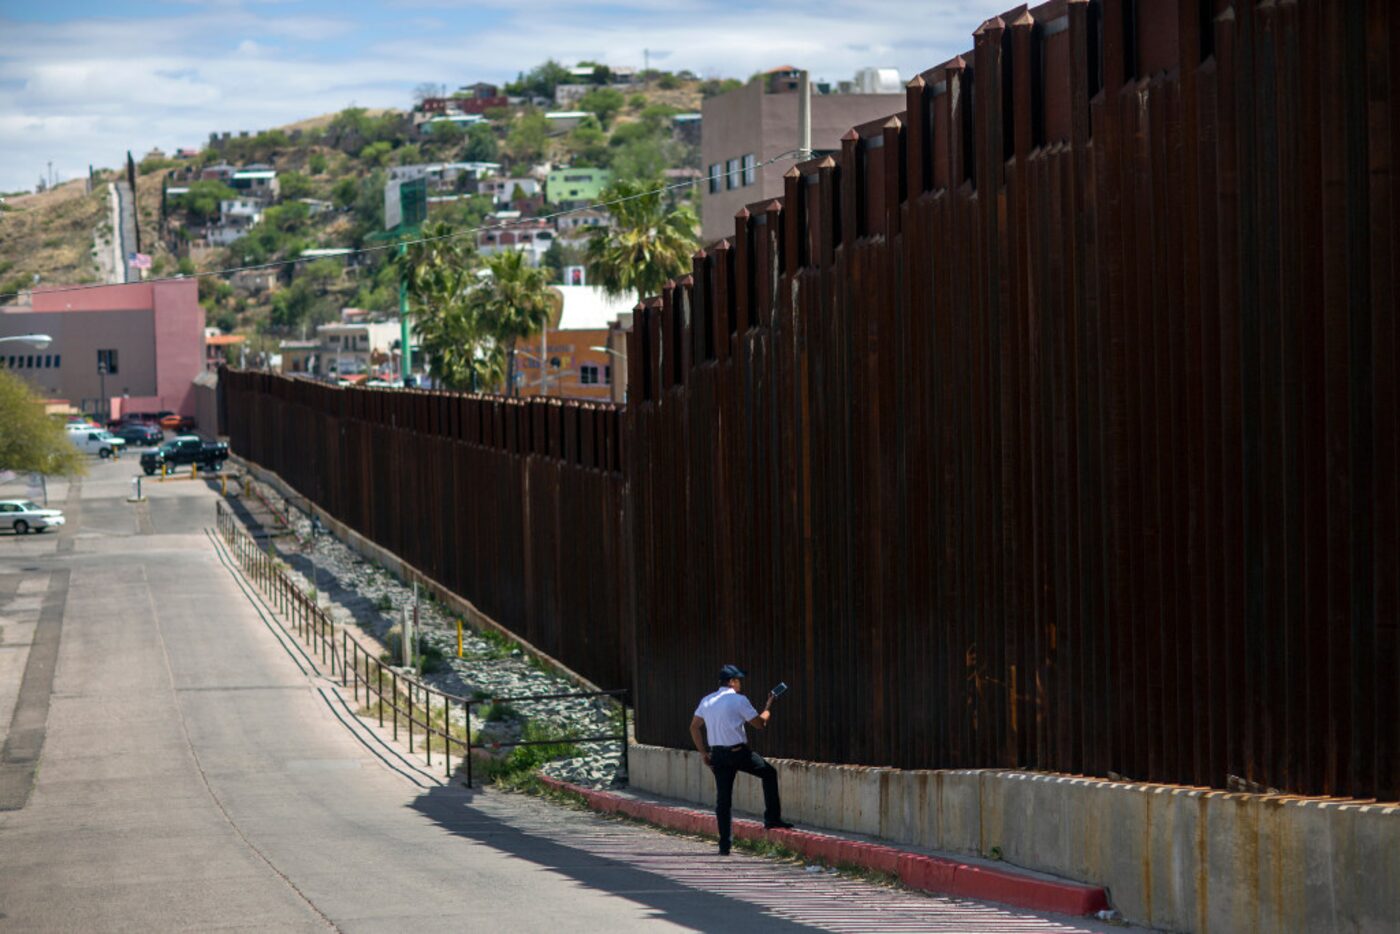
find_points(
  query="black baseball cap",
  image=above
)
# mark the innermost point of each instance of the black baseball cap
(731, 671)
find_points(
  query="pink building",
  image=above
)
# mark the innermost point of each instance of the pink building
(135, 347)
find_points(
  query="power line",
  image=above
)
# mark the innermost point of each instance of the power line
(469, 231)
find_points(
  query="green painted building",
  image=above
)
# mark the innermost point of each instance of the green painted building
(564, 186)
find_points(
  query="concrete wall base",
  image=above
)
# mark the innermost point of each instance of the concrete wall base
(1181, 859)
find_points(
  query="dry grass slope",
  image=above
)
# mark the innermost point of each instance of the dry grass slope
(51, 233)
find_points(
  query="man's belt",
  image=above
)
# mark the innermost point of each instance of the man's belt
(728, 748)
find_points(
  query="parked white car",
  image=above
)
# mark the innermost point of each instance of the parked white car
(97, 441)
(21, 516)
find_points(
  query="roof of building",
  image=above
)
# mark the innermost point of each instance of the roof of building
(298, 345)
(255, 173)
(224, 340)
(588, 308)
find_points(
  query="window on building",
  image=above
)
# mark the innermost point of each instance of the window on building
(716, 178)
(607, 375)
(107, 361)
(588, 374)
(57, 358)
(734, 180)
(29, 361)
(750, 172)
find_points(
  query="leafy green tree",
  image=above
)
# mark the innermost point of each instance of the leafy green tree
(306, 300)
(345, 192)
(377, 153)
(561, 253)
(408, 155)
(481, 144)
(31, 441)
(603, 103)
(658, 117)
(512, 302)
(295, 185)
(636, 102)
(541, 80)
(317, 163)
(201, 202)
(715, 87)
(649, 242)
(641, 159)
(588, 146)
(668, 82)
(529, 135)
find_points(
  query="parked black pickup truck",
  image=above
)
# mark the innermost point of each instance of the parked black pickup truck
(185, 449)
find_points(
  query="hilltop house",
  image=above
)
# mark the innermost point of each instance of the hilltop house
(256, 181)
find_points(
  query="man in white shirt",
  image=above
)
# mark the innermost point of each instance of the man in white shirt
(722, 716)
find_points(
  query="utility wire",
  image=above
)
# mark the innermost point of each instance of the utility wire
(469, 231)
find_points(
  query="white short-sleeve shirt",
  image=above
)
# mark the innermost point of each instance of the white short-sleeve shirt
(725, 712)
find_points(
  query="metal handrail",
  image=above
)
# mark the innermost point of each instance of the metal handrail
(317, 630)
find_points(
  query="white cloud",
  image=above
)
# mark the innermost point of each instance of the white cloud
(87, 90)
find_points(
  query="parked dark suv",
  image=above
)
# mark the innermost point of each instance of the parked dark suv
(138, 434)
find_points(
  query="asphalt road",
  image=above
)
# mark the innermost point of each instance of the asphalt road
(172, 763)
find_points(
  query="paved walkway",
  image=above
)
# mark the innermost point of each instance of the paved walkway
(196, 772)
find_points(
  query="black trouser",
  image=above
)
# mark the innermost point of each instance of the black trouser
(727, 761)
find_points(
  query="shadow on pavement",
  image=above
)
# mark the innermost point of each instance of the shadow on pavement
(451, 809)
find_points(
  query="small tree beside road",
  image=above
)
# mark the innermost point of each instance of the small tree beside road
(31, 441)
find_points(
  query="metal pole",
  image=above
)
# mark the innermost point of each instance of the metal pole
(405, 352)
(544, 358)
(804, 116)
(625, 763)
(467, 710)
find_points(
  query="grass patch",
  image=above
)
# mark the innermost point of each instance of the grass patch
(384, 603)
(497, 644)
(528, 759)
(430, 658)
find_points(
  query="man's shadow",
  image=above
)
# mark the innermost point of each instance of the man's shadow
(450, 807)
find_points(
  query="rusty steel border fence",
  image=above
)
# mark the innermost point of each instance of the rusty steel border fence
(1050, 423)
(514, 504)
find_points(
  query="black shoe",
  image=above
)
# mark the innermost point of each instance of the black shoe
(779, 825)
(724, 851)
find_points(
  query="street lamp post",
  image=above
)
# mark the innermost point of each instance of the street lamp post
(599, 348)
(545, 364)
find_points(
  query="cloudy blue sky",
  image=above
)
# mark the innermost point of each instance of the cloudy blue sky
(82, 82)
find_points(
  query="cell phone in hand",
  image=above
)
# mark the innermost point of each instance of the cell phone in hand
(777, 691)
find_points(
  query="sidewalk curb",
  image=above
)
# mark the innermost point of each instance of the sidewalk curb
(929, 873)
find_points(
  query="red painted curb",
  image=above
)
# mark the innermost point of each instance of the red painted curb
(916, 870)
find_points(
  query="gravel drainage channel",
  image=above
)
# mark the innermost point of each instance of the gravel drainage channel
(361, 594)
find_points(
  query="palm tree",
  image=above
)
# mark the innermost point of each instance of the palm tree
(440, 275)
(648, 243)
(512, 301)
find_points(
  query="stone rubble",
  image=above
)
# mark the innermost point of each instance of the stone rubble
(360, 593)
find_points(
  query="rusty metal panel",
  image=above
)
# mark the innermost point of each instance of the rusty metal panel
(1052, 423)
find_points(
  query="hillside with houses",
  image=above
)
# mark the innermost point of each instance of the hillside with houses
(296, 233)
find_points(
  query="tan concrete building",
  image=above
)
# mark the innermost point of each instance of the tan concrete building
(749, 126)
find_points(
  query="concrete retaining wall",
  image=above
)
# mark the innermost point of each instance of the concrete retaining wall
(1182, 859)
